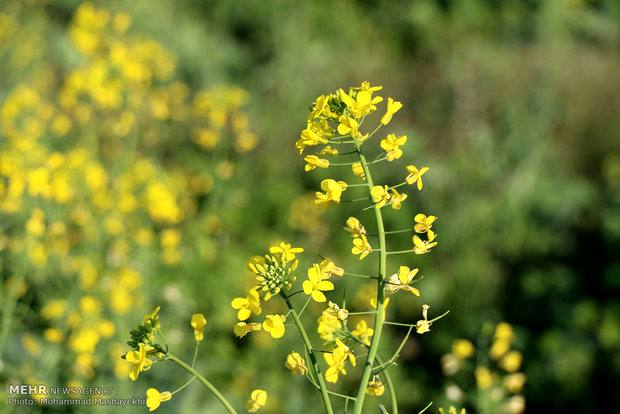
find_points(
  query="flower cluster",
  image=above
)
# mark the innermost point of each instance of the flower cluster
(498, 381)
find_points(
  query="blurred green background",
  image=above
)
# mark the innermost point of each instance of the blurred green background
(514, 106)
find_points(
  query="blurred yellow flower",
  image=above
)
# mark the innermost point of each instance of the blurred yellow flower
(241, 329)
(198, 323)
(312, 162)
(296, 363)
(462, 348)
(484, 378)
(154, 398)
(332, 192)
(363, 332)
(258, 399)
(375, 387)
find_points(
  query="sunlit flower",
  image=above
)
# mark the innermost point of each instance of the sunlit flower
(332, 191)
(316, 284)
(422, 246)
(380, 195)
(355, 227)
(274, 324)
(241, 329)
(415, 175)
(154, 398)
(296, 363)
(392, 107)
(361, 246)
(198, 322)
(348, 126)
(286, 251)
(401, 280)
(375, 387)
(396, 199)
(330, 268)
(258, 399)
(336, 361)
(138, 361)
(248, 305)
(312, 162)
(423, 224)
(391, 145)
(363, 332)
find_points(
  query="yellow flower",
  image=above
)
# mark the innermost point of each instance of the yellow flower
(415, 175)
(340, 313)
(361, 246)
(423, 224)
(154, 398)
(363, 332)
(287, 253)
(330, 268)
(198, 322)
(328, 324)
(499, 348)
(514, 382)
(391, 145)
(138, 361)
(504, 331)
(397, 199)
(258, 399)
(375, 387)
(380, 195)
(355, 227)
(362, 103)
(274, 324)
(296, 363)
(400, 281)
(316, 132)
(241, 329)
(511, 362)
(392, 107)
(320, 107)
(348, 126)
(484, 378)
(312, 162)
(462, 348)
(336, 361)
(422, 246)
(423, 325)
(328, 150)
(316, 284)
(373, 303)
(248, 305)
(358, 170)
(333, 190)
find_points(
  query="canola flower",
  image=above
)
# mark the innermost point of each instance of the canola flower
(336, 127)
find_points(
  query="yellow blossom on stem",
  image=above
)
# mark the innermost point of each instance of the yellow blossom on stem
(286, 251)
(423, 224)
(312, 162)
(392, 107)
(358, 170)
(362, 104)
(348, 126)
(154, 398)
(375, 387)
(336, 360)
(361, 247)
(296, 363)
(330, 268)
(258, 399)
(328, 150)
(391, 145)
(363, 332)
(248, 305)
(423, 325)
(462, 348)
(415, 175)
(355, 227)
(422, 246)
(316, 284)
(241, 329)
(396, 199)
(380, 195)
(198, 322)
(332, 192)
(484, 378)
(400, 281)
(274, 324)
(138, 361)
(328, 324)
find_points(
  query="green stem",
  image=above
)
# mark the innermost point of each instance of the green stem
(390, 387)
(380, 315)
(229, 408)
(313, 361)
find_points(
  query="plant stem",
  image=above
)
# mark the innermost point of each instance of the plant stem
(391, 389)
(229, 408)
(380, 315)
(314, 363)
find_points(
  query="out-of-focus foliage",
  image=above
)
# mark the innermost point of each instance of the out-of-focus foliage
(514, 105)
